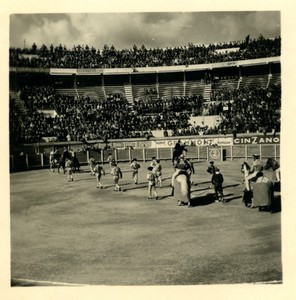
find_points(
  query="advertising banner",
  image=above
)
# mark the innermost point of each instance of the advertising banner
(257, 139)
(145, 144)
(55, 71)
(217, 141)
(89, 71)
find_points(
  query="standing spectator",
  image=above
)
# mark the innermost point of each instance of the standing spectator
(190, 170)
(91, 163)
(255, 169)
(262, 192)
(217, 181)
(99, 171)
(117, 174)
(245, 168)
(68, 166)
(153, 162)
(181, 185)
(151, 177)
(111, 160)
(272, 163)
(157, 169)
(53, 159)
(135, 166)
(211, 169)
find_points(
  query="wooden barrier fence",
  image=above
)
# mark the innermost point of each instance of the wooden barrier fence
(36, 161)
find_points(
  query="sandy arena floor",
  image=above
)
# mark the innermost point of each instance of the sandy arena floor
(73, 233)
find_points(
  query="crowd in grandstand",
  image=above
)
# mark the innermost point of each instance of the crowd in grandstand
(69, 118)
(73, 119)
(252, 109)
(83, 56)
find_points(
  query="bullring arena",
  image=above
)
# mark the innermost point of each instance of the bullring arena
(72, 233)
(221, 102)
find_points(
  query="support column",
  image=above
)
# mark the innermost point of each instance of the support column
(116, 155)
(130, 154)
(12, 163)
(87, 156)
(27, 161)
(156, 83)
(144, 154)
(184, 83)
(102, 156)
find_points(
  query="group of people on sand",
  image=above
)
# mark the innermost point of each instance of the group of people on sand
(254, 174)
(67, 162)
(181, 178)
(97, 169)
(181, 181)
(154, 173)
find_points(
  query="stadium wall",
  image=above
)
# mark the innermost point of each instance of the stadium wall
(226, 147)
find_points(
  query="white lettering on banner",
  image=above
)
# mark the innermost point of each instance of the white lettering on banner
(257, 140)
(218, 141)
(171, 143)
(249, 140)
(214, 141)
(227, 141)
(276, 140)
(208, 142)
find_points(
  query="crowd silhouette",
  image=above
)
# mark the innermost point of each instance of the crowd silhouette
(47, 113)
(84, 56)
(244, 110)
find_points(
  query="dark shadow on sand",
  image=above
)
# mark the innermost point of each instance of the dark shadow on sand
(231, 185)
(202, 200)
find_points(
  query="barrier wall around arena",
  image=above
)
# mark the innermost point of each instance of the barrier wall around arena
(196, 153)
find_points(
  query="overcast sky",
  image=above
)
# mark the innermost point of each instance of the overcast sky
(123, 30)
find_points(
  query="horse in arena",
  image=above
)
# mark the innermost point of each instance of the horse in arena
(76, 164)
(61, 164)
(178, 151)
(54, 164)
(54, 159)
(271, 163)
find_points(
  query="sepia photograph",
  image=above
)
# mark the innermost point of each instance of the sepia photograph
(145, 149)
